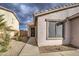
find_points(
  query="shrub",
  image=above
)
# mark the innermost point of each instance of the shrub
(5, 43)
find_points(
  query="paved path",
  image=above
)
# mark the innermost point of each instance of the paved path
(70, 53)
(32, 41)
(63, 53)
(30, 49)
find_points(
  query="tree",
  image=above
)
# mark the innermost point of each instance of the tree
(2, 22)
(6, 37)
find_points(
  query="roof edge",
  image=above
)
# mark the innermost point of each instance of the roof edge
(1, 7)
(56, 9)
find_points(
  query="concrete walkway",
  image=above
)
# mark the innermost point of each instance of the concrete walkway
(63, 53)
(31, 49)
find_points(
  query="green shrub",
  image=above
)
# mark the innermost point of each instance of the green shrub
(4, 45)
(6, 37)
(3, 49)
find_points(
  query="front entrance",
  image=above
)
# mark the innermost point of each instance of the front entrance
(32, 39)
(33, 32)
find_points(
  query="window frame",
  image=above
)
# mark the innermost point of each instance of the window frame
(47, 34)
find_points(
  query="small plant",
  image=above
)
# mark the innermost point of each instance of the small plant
(5, 43)
(5, 37)
(17, 36)
(3, 49)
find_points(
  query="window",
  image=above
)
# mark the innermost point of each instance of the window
(54, 30)
(59, 31)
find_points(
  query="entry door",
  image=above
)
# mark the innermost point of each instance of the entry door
(32, 32)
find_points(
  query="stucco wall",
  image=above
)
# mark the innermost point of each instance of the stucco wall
(67, 33)
(10, 20)
(75, 32)
(41, 27)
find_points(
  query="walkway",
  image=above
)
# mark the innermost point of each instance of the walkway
(30, 49)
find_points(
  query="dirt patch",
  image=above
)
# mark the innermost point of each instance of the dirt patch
(47, 49)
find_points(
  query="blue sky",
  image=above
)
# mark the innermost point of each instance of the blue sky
(24, 11)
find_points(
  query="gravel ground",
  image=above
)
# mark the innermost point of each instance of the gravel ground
(47, 49)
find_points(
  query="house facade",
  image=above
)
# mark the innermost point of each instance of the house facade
(11, 20)
(72, 23)
(49, 30)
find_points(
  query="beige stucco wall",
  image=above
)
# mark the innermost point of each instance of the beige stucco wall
(10, 19)
(41, 27)
(67, 33)
(75, 32)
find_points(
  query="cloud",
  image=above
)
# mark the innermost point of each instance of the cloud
(23, 27)
(25, 9)
(26, 12)
(15, 4)
(29, 21)
(57, 4)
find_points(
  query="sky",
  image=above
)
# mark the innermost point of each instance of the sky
(25, 11)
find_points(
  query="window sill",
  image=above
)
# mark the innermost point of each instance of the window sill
(55, 38)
